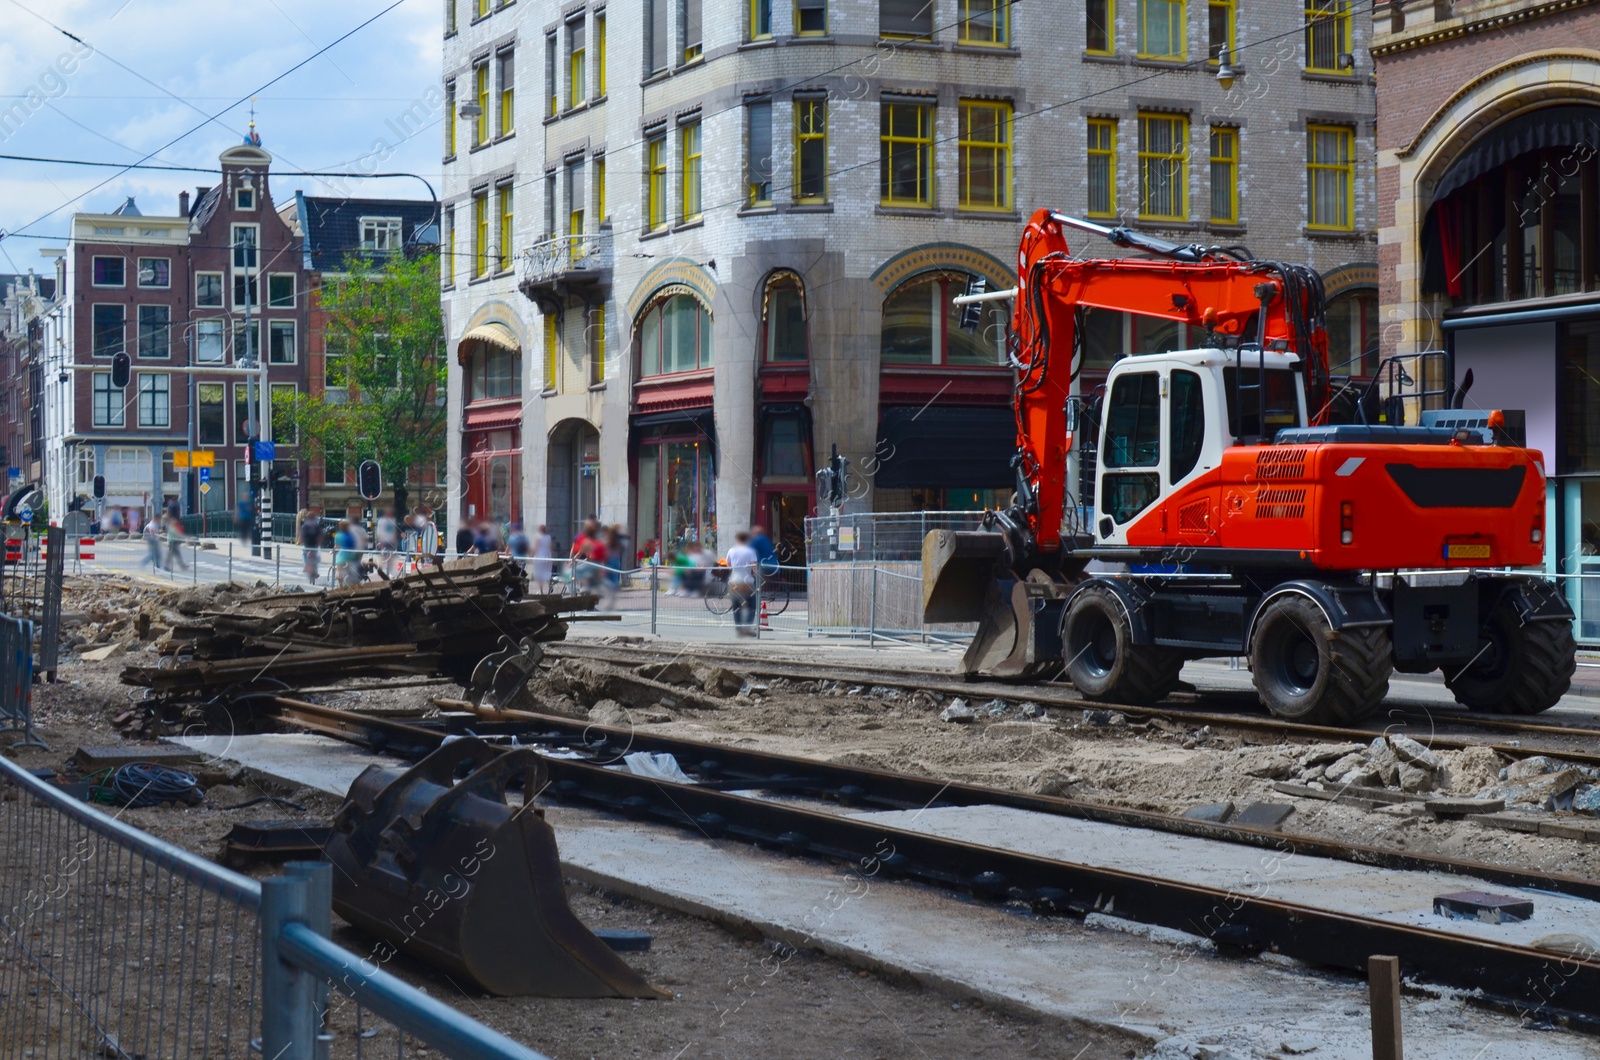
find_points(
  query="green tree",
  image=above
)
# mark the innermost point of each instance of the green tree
(384, 339)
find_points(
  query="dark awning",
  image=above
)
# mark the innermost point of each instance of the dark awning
(946, 447)
(1558, 127)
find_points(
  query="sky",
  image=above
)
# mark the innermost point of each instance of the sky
(368, 104)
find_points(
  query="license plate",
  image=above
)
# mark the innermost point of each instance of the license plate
(1466, 552)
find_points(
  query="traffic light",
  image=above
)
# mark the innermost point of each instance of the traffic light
(99, 487)
(369, 480)
(972, 312)
(121, 370)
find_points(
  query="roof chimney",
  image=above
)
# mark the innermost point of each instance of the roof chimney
(183, 204)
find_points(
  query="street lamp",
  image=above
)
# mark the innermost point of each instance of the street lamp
(1227, 73)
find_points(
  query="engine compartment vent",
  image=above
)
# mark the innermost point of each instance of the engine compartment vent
(1281, 463)
(1281, 503)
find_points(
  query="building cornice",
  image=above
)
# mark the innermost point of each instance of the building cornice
(1467, 28)
(1493, 74)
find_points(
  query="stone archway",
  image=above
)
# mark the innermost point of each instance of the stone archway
(1525, 84)
(572, 480)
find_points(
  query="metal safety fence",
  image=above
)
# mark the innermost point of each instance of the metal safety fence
(32, 567)
(878, 537)
(16, 680)
(116, 944)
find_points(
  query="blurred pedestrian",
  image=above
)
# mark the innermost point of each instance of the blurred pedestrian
(543, 559)
(347, 559)
(175, 541)
(742, 563)
(311, 543)
(152, 546)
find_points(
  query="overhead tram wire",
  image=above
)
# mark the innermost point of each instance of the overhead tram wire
(535, 181)
(184, 135)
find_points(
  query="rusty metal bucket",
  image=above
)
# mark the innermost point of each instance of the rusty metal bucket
(452, 873)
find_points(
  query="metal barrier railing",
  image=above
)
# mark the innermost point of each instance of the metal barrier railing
(877, 537)
(116, 944)
(16, 680)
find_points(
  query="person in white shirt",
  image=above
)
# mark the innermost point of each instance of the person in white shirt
(742, 560)
(543, 561)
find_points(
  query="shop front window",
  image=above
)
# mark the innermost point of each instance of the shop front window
(677, 494)
(493, 372)
(1352, 333)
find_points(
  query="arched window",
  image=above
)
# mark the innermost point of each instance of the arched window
(784, 316)
(674, 336)
(1353, 332)
(922, 326)
(493, 372)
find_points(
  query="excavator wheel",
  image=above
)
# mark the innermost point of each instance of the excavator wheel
(1101, 658)
(1307, 671)
(1526, 667)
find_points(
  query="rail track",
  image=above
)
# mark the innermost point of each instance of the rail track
(810, 821)
(1187, 708)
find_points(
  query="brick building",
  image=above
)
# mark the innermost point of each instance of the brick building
(331, 231)
(695, 244)
(1489, 193)
(24, 299)
(175, 292)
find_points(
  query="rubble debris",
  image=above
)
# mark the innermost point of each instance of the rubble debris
(1569, 943)
(1451, 807)
(719, 681)
(587, 682)
(1528, 768)
(676, 672)
(609, 712)
(1052, 782)
(1411, 751)
(1322, 754)
(958, 711)
(1032, 711)
(438, 621)
(1104, 718)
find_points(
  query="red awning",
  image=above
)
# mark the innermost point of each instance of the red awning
(498, 416)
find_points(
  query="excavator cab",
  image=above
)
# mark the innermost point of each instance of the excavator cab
(1168, 417)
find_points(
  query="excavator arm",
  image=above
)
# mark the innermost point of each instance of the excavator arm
(1280, 306)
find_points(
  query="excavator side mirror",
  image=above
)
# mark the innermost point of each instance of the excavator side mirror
(1460, 400)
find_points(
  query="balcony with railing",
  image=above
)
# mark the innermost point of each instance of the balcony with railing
(577, 266)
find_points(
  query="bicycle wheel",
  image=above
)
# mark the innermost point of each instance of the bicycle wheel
(718, 600)
(775, 594)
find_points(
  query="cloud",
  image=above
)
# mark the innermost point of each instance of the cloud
(334, 108)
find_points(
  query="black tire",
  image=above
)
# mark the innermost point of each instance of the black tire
(776, 596)
(1101, 658)
(1305, 670)
(719, 601)
(1525, 669)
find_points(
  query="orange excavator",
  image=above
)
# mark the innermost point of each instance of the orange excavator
(1203, 504)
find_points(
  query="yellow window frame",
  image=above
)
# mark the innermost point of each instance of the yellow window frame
(758, 8)
(480, 231)
(690, 140)
(508, 118)
(656, 182)
(600, 54)
(998, 30)
(1225, 163)
(504, 191)
(810, 127)
(1343, 166)
(1102, 143)
(1111, 30)
(997, 149)
(1334, 14)
(578, 76)
(1152, 162)
(1230, 11)
(480, 124)
(597, 348)
(1176, 14)
(552, 350)
(921, 143)
(450, 119)
(450, 247)
(483, 8)
(600, 190)
(798, 32)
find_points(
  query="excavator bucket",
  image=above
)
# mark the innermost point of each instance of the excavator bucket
(964, 581)
(958, 569)
(452, 873)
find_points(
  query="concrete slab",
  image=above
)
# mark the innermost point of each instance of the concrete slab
(1156, 983)
(1403, 897)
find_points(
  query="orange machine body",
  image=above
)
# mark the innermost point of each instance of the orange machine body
(1353, 506)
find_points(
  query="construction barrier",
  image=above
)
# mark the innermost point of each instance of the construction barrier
(86, 548)
(16, 680)
(13, 550)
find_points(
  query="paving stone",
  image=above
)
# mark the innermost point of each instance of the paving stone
(1453, 807)
(1215, 812)
(1411, 751)
(1510, 822)
(1481, 905)
(1581, 831)
(1329, 753)
(1263, 814)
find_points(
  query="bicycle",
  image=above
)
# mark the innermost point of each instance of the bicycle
(773, 590)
